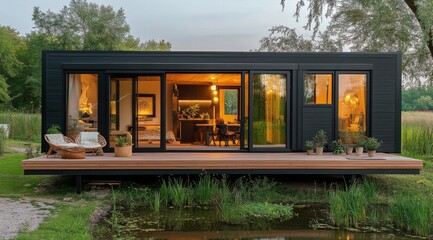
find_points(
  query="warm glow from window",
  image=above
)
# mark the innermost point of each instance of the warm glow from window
(318, 88)
(352, 102)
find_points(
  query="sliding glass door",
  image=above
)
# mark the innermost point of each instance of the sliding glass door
(269, 111)
(149, 113)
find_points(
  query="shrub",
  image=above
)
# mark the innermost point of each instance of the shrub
(337, 147)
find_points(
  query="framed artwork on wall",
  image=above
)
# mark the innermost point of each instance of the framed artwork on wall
(146, 105)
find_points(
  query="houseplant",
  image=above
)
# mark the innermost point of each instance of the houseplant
(359, 143)
(309, 145)
(337, 147)
(320, 141)
(347, 139)
(123, 147)
(371, 144)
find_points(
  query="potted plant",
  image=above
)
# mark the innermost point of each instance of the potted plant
(359, 143)
(371, 144)
(347, 139)
(320, 140)
(123, 147)
(337, 147)
(309, 145)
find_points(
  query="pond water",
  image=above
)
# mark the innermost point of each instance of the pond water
(206, 223)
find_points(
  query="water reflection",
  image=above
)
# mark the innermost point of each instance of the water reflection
(206, 223)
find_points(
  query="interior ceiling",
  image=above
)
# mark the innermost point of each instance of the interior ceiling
(219, 79)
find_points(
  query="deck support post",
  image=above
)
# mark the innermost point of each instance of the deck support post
(78, 183)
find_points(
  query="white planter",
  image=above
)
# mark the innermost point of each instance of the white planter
(310, 152)
(359, 151)
(349, 150)
(371, 153)
(319, 150)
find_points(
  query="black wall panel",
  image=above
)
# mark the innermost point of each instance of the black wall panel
(384, 86)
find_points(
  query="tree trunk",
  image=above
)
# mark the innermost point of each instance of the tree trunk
(414, 8)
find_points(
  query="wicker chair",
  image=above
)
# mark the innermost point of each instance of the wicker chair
(58, 142)
(91, 141)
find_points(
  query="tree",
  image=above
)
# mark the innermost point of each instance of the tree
(10, 64)
(387, 25)
(79, 26)
(284, 39)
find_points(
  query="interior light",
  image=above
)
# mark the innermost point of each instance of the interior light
(215, 99)
(213, 87)
(215, 92)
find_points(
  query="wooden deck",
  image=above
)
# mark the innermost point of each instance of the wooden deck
(224, 162)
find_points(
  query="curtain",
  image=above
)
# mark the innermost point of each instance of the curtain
(74, 95)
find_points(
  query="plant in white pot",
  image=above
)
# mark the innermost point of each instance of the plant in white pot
(371, 144)
(320, 141)
(347, 139)
(123, 147)
(309, 145)
(359, 143)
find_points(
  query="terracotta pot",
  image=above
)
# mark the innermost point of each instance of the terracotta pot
(349, 150)
(310, 152)
(371, 153)
(359, 151)
(319, 150)
(125, 151)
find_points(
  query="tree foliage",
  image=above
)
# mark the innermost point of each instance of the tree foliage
(284, 39)
(79, 26)
(387, 25)
(416, 99)
(11, 45)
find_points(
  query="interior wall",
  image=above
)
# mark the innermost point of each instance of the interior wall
(151, 85)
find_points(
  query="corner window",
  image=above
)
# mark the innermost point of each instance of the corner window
(318, 88)
(82, 103)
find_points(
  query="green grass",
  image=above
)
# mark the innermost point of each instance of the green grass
(417, 133)
(256, 212)
(413, 213)
(70, 221)
(348, 208)
(23, 126)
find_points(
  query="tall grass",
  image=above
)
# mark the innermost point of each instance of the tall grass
(417, 133)
(348, 208)
(23, 126)
(413, 213)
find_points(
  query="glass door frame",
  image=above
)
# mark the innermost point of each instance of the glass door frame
(134, 77)
(251, 147)
(162, 108)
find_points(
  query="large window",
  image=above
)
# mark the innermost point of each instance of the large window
(269, 110)
(82, 103)
(318, 88)
(352, 90)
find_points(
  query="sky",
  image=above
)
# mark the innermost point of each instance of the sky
(190, 25)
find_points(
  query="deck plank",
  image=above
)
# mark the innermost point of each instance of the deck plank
(224, 161)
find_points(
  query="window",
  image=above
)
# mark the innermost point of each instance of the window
(352, 90)
(318, 88)
(82, 103)
(269, 110)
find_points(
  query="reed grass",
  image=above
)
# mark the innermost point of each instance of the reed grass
(413, 213)
(348, 208)
(417, 133)
(23, 126)
(206, 190)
